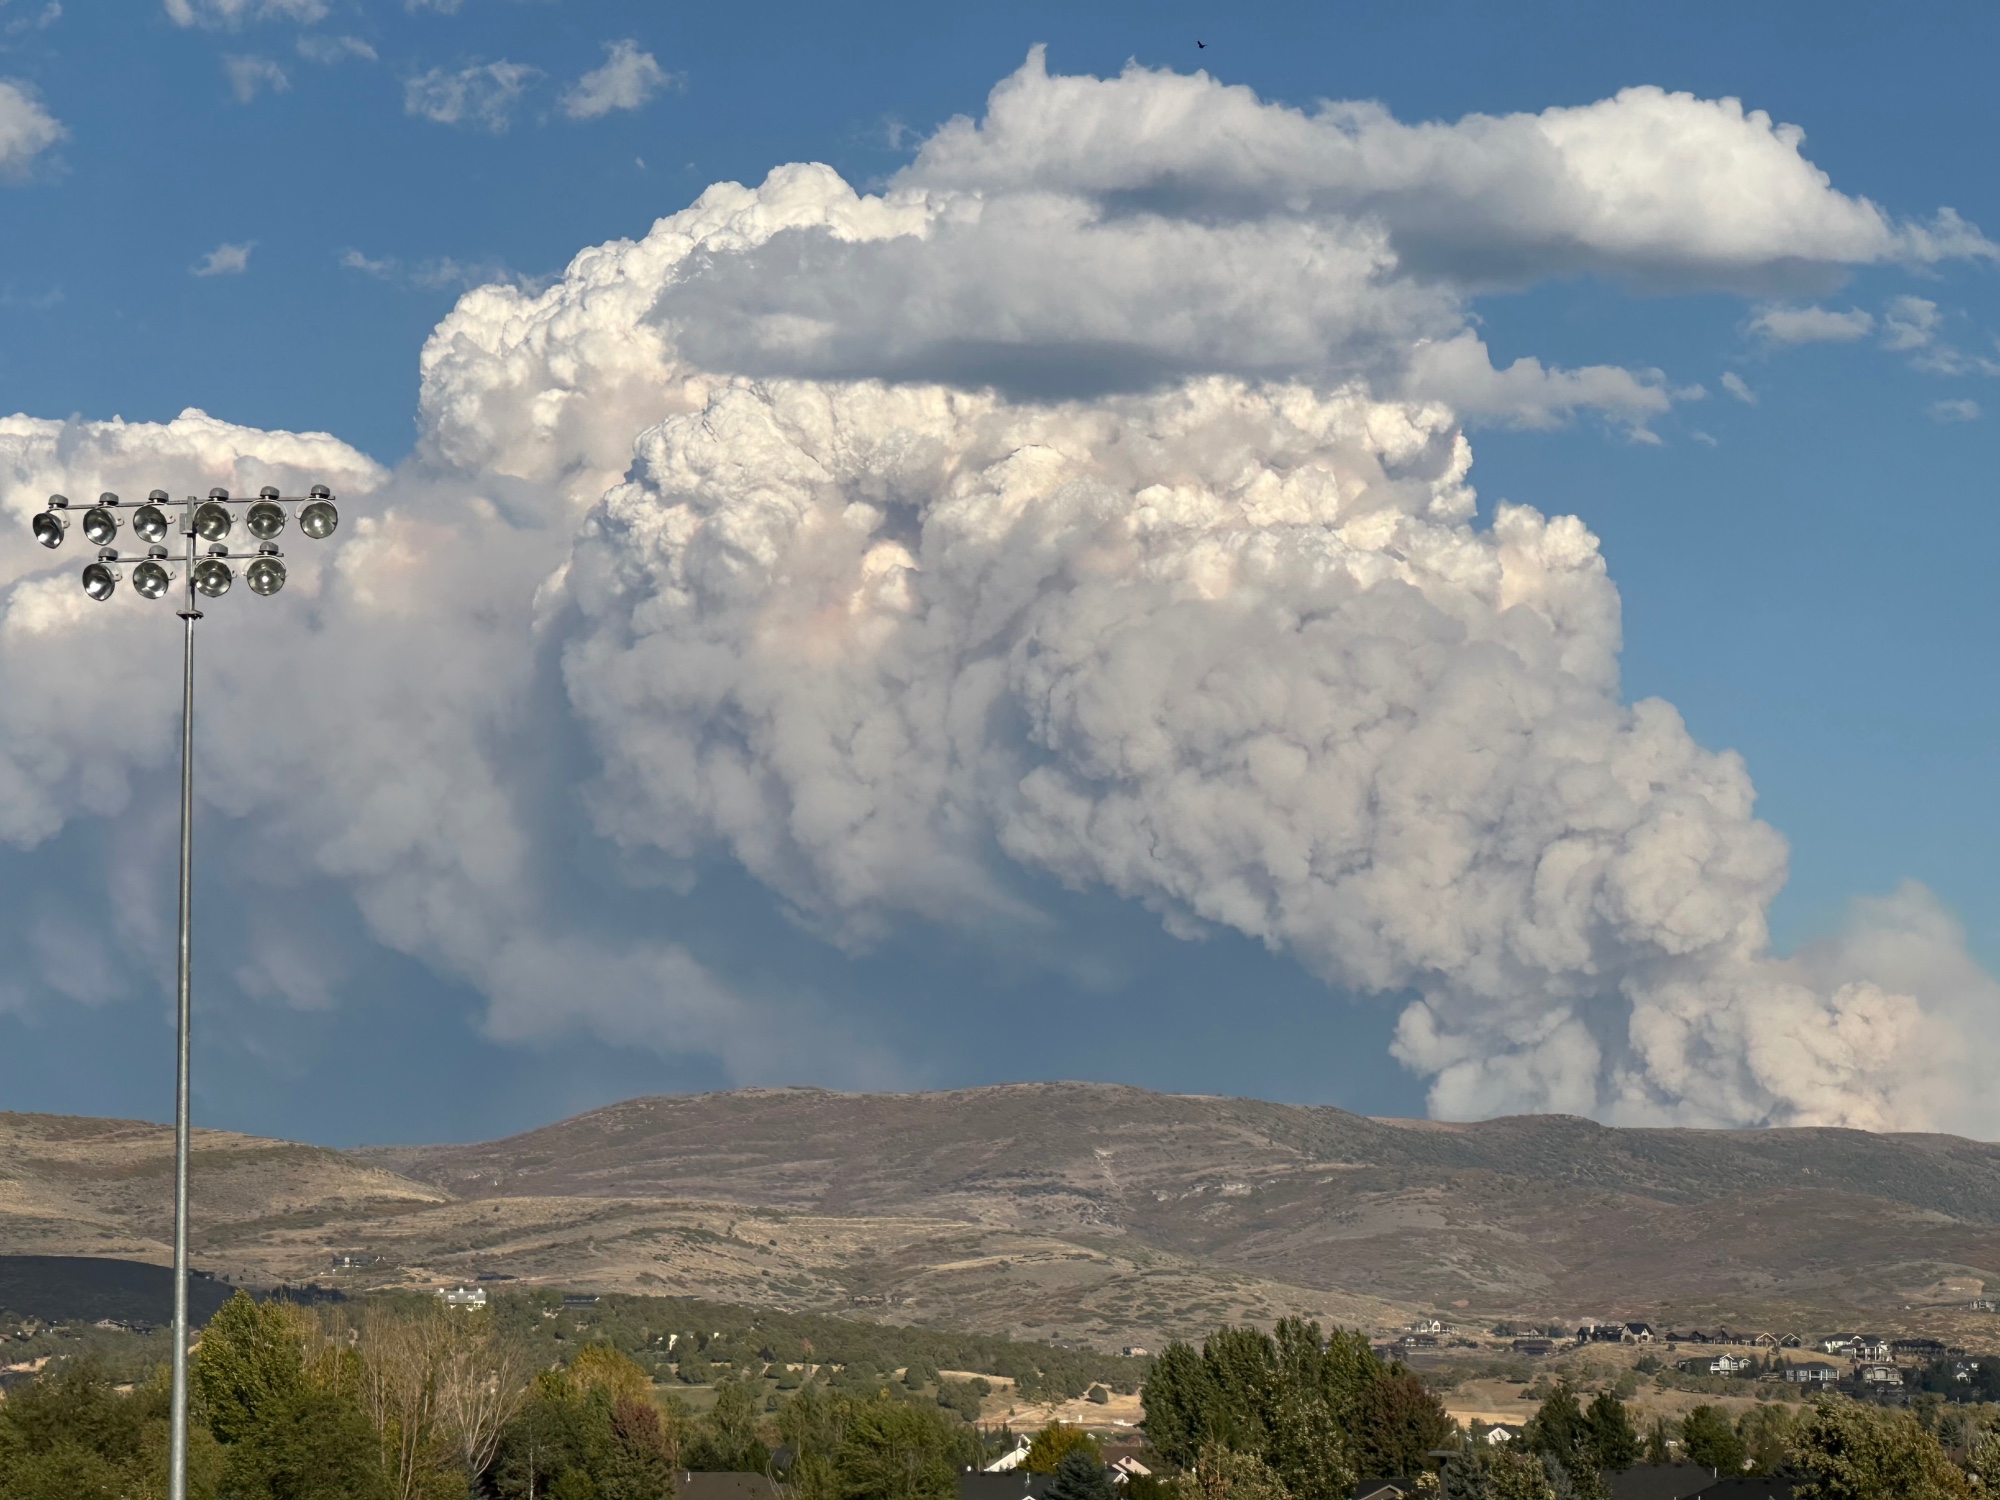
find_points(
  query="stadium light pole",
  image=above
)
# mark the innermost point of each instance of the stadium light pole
(199, 522)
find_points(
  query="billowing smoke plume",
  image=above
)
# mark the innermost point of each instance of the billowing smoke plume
(1093, 504)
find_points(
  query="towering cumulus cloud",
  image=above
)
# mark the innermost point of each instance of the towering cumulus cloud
(1092, 504)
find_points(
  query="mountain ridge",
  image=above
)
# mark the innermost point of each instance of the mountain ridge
(1112, 1213)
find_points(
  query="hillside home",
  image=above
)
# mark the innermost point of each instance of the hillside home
(1500, 1432)
(1384, 1489)
(1012, 1459)
(1722, 1364)
(462, 1296)
(1868, 1346)
(1812, 1372)
(1413, 1341)
(1764, 1341)
(1879, 1374)
(1434, 1326)
(1964, 1369)
(1791, 1341)
(1637, 1333)
(1534, 1348)
(1126, 1469)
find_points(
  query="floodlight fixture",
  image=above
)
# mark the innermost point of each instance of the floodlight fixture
(100, 580)
(149, 522)
(319, 518)
(49, 526)
(212, 577)
(151, 580)
(265, 519)
(265, 575)
(99, 525)
(212, 520)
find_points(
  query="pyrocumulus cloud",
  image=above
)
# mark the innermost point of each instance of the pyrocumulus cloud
(1093, 503)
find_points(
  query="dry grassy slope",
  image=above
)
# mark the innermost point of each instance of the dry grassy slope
(1541, 1212)
(70, 1185)
(1110, 1213)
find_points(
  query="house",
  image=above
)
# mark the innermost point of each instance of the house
(1126, 1469)
(463, 1296)
(1534, 1348)
(1765, 1341)
(1638, 1333)
(1410, 1341)
(1500, 1432)
(1791, 1341)
(1964, 1369)
(1012, 1459)
(1812, 1372)
(1722, 1364)
(1384, 1489)
(1601, 1333)
(1868, 1346)
(1434, 1326)
(992, 1486)
(1879, 1374)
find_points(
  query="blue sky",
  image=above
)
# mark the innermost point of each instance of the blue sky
(1803, 556)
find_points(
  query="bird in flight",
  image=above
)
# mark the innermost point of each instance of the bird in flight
(1201, 44)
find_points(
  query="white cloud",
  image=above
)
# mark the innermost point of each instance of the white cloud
(1955, 411)
(1087, 510)
(225, 260)
(1812, 325)
(335, 49)
(229, 15)
(41, 20)
(1909, 323)
(250, 76)
(483, 95)
(1647, 183)
(1738, 387)
(26, 130)
(628, 79)
(354, 260)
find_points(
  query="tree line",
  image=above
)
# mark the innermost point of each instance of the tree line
(412, 1401)
(1294, 1415)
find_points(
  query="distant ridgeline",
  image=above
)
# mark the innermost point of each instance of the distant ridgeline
(84, 1289)
(695, 1341)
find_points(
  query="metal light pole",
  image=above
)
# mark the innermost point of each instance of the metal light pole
(200, 521)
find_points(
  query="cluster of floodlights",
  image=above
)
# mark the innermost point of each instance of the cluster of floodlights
(207, 520)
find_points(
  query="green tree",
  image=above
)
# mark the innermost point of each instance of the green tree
(895, 1451)
(1220, 1473)
(1710, 1442)
(1614, 1442)
(1080, 1476)
(1658, 1450)
(1398, 1422)
(1767, 1438)
(1056, 1442)
(813, 1423)
(1310, 1450)
(251, 1360)
(318, 1445)
(1176, 1400)
(1851, 1453)
(1560, 1430)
